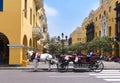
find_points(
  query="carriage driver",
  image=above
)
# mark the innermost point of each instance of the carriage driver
(37, 55)
(89, 55)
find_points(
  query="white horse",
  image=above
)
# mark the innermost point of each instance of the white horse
(42, 58)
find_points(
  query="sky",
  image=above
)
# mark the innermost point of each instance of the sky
(64, 16)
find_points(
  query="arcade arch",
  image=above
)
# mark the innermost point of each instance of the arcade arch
(30, 43)
(24, 50)
(4, 49)
(116, 47)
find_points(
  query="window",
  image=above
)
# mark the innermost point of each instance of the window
(96, 18)
(1, 5)
(25, 10)
(116, 2)
(104, 12)
(110, 9)
(95, 34)
(78, 39)
(99, 33)
(109, 31)
(33, 20)
(100, 16)
(30, 16)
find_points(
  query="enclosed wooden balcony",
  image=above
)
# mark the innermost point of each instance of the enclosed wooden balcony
(37, 33)
(39, 4)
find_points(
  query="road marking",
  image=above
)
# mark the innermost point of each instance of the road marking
(115, 80)
(67, 76)
(108, 75)
(110, 71)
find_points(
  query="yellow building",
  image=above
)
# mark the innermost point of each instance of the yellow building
(23, 27)
(76, 35)
(104, 21)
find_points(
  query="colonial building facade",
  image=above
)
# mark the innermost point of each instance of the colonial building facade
(104, 21)
(23, 27)
(75, 35)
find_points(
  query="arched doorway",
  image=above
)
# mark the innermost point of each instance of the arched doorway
(30, 43)
(4, 49)
(24, 51)
(116, 49)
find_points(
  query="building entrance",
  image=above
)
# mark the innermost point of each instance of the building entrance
(117, 49)
(4, 49)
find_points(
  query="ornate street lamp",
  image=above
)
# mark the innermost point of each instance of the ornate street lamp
(62, 41)
(58, 38)
(66, 37)
(62, 35)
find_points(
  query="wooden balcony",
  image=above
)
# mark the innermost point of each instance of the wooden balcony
(37, 33)
(39, 4)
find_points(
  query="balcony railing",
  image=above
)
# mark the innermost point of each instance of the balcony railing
(37, 33)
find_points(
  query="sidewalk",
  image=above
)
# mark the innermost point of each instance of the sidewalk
(107, 66)
(30, 66)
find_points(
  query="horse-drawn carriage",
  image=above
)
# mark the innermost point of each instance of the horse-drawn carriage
(80, 62)
(63, 61)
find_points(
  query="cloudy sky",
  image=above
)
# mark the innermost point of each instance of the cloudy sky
(63, 16)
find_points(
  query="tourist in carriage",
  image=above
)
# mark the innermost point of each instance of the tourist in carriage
(78, 54)
(99, 57)
(90, 54)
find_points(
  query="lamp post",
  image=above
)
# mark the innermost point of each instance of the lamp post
(62, 41)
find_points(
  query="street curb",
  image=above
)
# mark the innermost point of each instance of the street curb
(14, 68)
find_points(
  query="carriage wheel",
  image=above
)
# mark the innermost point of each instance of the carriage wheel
(62, 67)
(75, 66)
(98, 66)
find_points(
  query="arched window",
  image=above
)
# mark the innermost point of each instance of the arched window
(110, 9)
(110, 31)
(104, 12)
(25, 10)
